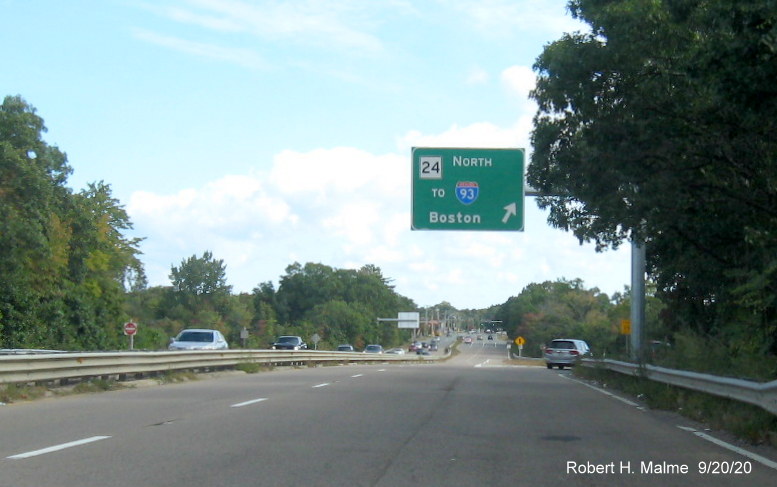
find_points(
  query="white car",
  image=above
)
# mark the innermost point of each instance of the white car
(199, 339)
(565, 352)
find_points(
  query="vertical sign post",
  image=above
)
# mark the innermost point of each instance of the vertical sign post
(130, 329)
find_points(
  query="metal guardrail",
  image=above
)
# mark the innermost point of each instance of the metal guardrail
(63, 366)
(763, 395)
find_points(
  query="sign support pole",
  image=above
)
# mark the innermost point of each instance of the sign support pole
(637, 299)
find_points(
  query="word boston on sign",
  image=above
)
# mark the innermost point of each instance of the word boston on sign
(467, 189)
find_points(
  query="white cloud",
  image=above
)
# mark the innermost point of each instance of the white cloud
(324, 25)
(234, 55)
(477, 76)
(503, 18)
(519, 80)
(482, 134)
(332, 173)
(232, 205)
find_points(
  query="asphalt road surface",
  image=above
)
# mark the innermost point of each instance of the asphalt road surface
(472, 421)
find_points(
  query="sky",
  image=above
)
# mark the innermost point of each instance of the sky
(275, 132)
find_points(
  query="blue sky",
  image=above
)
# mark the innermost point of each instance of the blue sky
(274, 132)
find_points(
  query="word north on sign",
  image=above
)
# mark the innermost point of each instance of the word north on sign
(467, 189)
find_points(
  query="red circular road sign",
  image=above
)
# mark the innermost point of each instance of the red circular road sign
(130, 328)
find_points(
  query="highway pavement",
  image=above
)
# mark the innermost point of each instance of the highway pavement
(473, 420)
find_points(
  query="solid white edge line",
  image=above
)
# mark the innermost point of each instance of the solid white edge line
(606, 393)
(57, 447)
(246, 403)
(728, 446)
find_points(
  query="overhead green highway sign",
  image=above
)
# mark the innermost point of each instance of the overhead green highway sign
(467, 189)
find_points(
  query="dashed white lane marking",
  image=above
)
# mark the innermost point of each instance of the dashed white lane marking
(357, 375)
(57, 447)
(247, 403)
(321, 385)
(728, 446)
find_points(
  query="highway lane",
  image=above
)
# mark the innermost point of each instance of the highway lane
(471, 421)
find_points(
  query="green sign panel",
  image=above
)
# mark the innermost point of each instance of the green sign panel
(467, 189)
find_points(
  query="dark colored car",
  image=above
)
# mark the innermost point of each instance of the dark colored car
(288, 342)
(345, 348)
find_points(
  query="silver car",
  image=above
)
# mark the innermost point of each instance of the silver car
(565, 352)
(199, 339)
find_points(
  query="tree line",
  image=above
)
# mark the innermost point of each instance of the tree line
(338, 305)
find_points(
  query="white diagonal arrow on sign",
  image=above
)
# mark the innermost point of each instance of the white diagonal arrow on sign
(510, 210)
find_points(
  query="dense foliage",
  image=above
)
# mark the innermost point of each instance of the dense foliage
(63, 257)
(339, 305)
(566, 309)
(658, 125)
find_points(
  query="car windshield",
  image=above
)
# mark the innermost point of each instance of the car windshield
(287, 340)
(196, 336)
(562, 345)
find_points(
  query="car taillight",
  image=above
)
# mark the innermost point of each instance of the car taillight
(574, 352)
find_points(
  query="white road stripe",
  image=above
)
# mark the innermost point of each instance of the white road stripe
(606, 393)
(357, 375)
(58, 447)
(321, 385)
(252, 401)
(735, 449)
(753, 456)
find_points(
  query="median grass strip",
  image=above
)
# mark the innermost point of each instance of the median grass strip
(10, 393)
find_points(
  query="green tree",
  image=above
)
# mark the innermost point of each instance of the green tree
(560, 309)
(62, 256)
(304, 287)
(32, 177)
(200, 276)
(341, 322)
(658, 125)
(352, 300)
